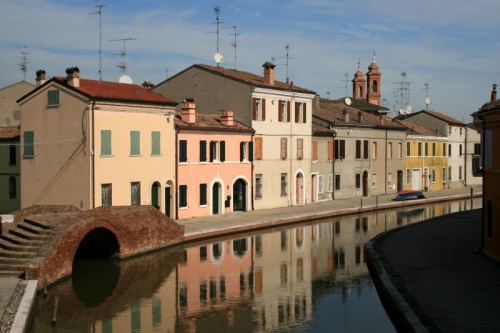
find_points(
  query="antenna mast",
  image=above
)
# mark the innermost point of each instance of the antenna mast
(123, 65)
(346, 80)
(24, 61)
(99, 11)
(234, 44)
(404, 94)
(427, 99)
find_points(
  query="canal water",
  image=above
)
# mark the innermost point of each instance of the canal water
(310, 277)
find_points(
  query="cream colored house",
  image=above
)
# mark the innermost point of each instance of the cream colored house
(92, 143)
(280, 114)
(9, 110)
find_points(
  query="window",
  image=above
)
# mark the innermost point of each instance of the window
(258, 186)
(358, 149)
(358, 181)
(449, 173)
(420, 149)
(461, 130)
(460, 150)
(337, 182)
(426, 149)
(374, 150)
(155, 143)
(135, 143)
(259, 109)
(29, 141)
(105, 143)
(477, 149)
(213, 151)
(12, 187)
(300, 149)
(449, 149)
(443, 175)
(283, 111)
(330, 182)
(300, 112)
(444, 149)
(203, 194)
(460, 172)
(374, 181)
(106, 195)
(330, 151)
(182, 151)
(433, 149)
(315, 150)
(183, 196)
(339, 149)
(400, 150)
(203, 151)
(320, 184)
(389, 150)
(365, 148)
(408, 176)
(243, 151)
(283, 151)
(135, 193)
(449, 130)
(284, 185)
(258, 148)
(389, 180)
(408, 150)
(12, 155)
(53, 97)
(433, 175)
(222, 147)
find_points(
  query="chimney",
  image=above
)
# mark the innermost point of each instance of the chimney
(345, 115)
(226, 117)
(494, 93)
(360, 116)
(73, 76)
(382, 120)
(269, 73)
(188, 111)
(148, 85)
(40, 77)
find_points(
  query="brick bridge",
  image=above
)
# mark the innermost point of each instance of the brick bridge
(44, 241)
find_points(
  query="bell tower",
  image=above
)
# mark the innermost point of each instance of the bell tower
(373, 77)
(358, 84)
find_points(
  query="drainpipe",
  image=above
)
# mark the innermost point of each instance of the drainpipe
(386, 158)
(92, 153)
(176, 183)
(334, 134)
(465, 157)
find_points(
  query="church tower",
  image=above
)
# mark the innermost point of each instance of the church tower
(358, 85)
(373, 77)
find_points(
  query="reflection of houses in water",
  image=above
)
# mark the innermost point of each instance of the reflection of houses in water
(282, 270)
(214, 277)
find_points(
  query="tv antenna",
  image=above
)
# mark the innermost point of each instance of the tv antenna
(234, 44)
(99, 11)
(24, 61)
(404, 95)
(427, 99)
(287, 57)
(217, 56)
(123, 64)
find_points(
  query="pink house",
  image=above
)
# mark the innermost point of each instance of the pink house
(214, 163)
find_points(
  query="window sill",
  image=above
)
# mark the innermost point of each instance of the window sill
(52, 106)
(156, 155)
(183, 208)
(29, 157)
(106, 156)
(203, 206)
(135, 155)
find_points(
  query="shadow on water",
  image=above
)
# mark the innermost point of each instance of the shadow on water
(101, 288)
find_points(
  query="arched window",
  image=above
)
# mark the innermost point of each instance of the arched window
(375, 86)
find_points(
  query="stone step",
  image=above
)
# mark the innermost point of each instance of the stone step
(13, 243)
(13, 268)
(40, 223)
(35, 229)
(17, 254)
(14, 261)
(27, 235)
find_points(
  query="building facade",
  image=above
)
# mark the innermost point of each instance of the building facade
(92, 143)
(9, 110)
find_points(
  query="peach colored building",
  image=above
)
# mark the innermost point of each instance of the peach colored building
(89, 143)
(214, 169)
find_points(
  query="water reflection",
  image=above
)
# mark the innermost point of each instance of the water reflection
(306, 278)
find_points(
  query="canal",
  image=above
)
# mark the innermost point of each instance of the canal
(309, 277)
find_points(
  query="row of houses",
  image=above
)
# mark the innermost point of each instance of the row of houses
(212, 140)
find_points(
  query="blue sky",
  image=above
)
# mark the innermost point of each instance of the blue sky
(453, 45)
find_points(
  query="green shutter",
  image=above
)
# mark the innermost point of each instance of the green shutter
(250, 151)
(222, 147)
(135, 143)
(183, 151)
(154, 196)
(242, 151)
(29, 140)
(53, 97)
(183, 196)
(105, 142)
(155, 143)
(212, 150)
(203, 194)
(203, 151)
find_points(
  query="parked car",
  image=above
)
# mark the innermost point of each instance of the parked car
(409, 194)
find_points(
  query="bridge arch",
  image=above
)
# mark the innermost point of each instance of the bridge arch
(98, 243)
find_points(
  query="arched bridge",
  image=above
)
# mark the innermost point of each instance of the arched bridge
(118, 232)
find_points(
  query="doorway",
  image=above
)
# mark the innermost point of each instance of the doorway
(216, 199)
(239, 196)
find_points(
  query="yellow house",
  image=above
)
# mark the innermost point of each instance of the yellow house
(90, 143)
(426, 158)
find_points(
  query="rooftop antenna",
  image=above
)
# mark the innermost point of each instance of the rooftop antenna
(287, 48)
(404, 95)
(346, 80)
(427, 99)
(217, 56)
(123, 64)
(234, 44)
(24, 61)
(328, 94)
(99, 11)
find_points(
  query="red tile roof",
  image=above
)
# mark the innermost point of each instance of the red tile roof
(443, 117)
(414, 128)
(9, 132)
(114, 91)
(210, 122)
(252, 79)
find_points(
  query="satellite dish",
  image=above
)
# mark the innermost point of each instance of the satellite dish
(347, 101)
(218, 58)
(125, 79)
(427, 101)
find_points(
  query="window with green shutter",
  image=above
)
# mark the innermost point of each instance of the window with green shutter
(155, 143)
(182, 151)
(250, 151)
(203, 151)
(53, 97)
(135, 143)
(105, 143)
(183, 196)
(222, 147)
(203, 194)
(29, 141)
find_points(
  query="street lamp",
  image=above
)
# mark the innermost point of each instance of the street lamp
(334, 134)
